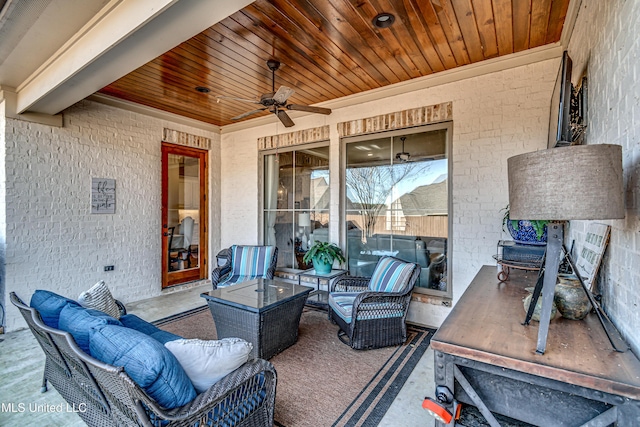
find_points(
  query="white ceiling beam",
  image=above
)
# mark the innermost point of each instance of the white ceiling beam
(123, 37)
(9, 97)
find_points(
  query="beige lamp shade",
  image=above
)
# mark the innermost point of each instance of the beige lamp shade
(304, 219)
(567, 183)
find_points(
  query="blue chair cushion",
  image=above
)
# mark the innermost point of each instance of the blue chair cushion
(78, 321)
(251, 260)
(134, 322)
(146, 361)
(342, 305)
(49, 305)
(390, 275)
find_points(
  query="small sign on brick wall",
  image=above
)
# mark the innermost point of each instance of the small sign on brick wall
(103, 196)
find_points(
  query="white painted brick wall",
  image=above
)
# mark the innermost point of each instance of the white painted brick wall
(495, 116)
(3, 206)
(605, 42)
(53, 241)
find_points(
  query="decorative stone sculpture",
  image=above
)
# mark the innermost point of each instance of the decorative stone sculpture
(571, 299)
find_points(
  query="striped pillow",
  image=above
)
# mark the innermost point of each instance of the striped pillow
(390, 275)
(98, 297)
(251, 260)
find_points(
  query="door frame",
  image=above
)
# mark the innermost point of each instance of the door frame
(178, 277)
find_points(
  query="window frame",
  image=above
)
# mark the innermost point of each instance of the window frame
(448, 126)
(280, 150)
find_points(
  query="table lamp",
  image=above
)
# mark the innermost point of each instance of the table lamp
(580, 182)
(304, 221)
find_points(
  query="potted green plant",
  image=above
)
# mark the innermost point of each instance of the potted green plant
(530, 232)
(323, 254)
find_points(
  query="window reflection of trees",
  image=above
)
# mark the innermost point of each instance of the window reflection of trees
(397, 198)
(371, 189)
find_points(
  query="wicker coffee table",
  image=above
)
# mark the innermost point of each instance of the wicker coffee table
(264, 312)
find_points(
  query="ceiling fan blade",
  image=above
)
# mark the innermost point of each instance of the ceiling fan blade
(284, 118)
(283, 94)
(248, 113)
(309, 109)
(253, 101)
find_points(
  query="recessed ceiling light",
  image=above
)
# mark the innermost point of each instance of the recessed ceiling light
(203, 89)
(383, 20)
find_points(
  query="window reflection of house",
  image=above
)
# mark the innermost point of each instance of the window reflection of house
(425, 209)
(397, 195)
(395, 219)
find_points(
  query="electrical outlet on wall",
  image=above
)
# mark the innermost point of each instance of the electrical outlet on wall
(109, 268)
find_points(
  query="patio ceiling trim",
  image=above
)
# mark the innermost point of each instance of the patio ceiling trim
(152, 112)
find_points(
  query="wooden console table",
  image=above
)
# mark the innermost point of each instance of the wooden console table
(488, 359)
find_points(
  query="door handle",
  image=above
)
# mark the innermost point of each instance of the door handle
(165, 234)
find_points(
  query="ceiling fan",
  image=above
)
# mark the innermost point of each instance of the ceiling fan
(403, 156)
(276, 101)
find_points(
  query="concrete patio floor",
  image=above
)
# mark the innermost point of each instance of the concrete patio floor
(22, 363)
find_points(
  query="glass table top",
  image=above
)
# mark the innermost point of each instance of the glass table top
(257, 294)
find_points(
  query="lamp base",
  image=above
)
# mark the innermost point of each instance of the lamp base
(546, 286)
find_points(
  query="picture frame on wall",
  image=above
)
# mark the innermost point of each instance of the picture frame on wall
(590, 256)
(103, 196)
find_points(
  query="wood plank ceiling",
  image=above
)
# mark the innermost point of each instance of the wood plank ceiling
(330, 49)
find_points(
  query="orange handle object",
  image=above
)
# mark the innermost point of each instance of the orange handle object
(436, 410)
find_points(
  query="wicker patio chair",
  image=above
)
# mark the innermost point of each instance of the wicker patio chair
(107, 396)
(245, 263)
(371, 311)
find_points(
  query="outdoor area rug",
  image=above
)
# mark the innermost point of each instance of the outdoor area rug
(322, 381)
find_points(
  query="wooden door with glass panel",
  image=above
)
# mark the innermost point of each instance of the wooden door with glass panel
(184, 214)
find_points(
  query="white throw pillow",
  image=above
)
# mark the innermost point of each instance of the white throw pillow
(98, 297)
(206, 362)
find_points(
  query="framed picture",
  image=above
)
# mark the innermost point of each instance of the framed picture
(103, 196)
(590, 255)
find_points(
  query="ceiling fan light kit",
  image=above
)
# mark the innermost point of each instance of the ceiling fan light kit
(403, 156)
(276, 101)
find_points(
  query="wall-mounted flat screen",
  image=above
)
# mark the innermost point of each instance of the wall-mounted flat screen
(560, 109)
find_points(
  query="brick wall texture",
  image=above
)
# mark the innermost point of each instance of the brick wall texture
(606, 47)
(53, 241)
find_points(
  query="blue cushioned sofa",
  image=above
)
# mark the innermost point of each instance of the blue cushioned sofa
(119, 373)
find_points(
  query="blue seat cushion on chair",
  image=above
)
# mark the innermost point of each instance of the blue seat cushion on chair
(251, 260)
(390, 275)
(134, 322)
(342, 304)
(79, 321)
(146, 361)
(49, 305)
